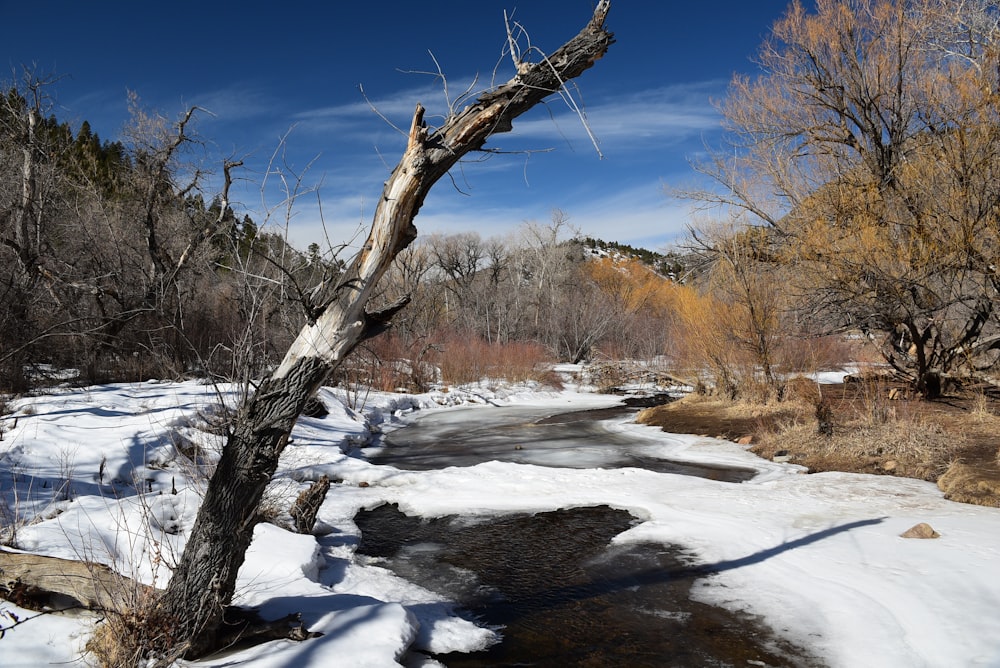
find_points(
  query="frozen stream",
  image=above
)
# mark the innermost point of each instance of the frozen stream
(533, 435)
(562, 594)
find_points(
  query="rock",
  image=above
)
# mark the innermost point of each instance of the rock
(922, 530)
(890, 465)
(745, 440)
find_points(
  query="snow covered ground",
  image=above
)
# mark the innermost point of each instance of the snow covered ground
(98, 473)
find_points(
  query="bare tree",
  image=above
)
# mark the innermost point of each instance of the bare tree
(102, 246)
(204, 579)
(459, 257)
(21, 211)
(741, 275)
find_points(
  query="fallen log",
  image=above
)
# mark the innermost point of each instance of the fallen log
(51, 584)
(37, 582)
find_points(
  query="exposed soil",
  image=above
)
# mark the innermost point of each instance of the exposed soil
(968, 422)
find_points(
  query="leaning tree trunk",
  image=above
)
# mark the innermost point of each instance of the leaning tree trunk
(204, 579)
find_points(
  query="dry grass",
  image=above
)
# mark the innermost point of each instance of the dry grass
(982, 410)
(854, 428)
(126, 639)
(911, 448)
(135, 631)
(718, 417)
(743, 408)
(866, 430)
(966, 483)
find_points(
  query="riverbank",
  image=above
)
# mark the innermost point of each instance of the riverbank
(881, 431)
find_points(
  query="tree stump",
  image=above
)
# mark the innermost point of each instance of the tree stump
(306, 507)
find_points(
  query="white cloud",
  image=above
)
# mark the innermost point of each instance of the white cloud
(235, 103)
(663, 115)
(645, 136)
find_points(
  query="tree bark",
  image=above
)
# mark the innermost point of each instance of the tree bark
(203, 582)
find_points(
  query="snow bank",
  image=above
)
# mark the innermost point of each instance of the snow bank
(104, 474)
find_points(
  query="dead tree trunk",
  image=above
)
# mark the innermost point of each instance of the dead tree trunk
(203, 582)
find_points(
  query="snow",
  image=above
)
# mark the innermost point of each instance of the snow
(100, 474)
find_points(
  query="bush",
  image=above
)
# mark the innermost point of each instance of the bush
(388, 363)
(464, 360)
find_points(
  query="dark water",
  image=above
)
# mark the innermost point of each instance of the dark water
(564, 596)
(561, 594)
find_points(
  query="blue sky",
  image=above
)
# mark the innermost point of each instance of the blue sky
(267, 70)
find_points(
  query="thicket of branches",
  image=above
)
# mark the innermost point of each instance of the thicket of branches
(860, 182)
(542, 285)
(115, 261)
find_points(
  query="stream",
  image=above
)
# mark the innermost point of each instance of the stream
(561, 594)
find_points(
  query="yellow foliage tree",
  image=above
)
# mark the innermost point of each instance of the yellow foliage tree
(708, 345)
(870, 147)
(630, 283)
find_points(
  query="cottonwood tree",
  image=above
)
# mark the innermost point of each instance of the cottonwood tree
(869, 147)
(638, 302)
(560, 306)
(204, 579)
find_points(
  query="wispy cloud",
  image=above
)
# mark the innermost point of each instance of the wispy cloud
(667, 115)
(641, 215)
(370, 110)
(237, 102)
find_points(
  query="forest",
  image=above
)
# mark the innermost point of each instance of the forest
(118, 264)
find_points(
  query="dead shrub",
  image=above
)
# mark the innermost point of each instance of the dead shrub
(388, 363)
(463, 360)
(803, 354)
(610, 376)
(800, 388)
(874, 395)
(131, 637)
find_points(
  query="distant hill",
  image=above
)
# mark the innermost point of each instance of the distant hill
(670, 265)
